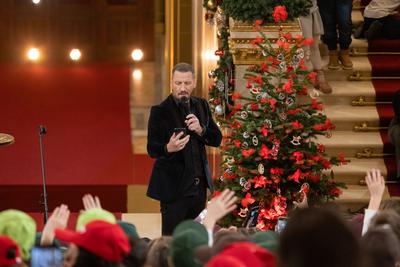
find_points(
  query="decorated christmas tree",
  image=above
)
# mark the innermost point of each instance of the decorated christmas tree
(271, 152)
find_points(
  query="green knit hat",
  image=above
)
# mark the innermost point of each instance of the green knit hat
(267, 240)
(93, 215)
(20, 227)
(186, 237)
(129, 229)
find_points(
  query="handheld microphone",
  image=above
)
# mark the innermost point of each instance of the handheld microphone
(185, 104)
(42, 130)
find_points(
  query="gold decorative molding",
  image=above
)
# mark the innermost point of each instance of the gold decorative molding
(239, 26)
(358, 76)
(369, 153)
(233, 42)
(242, 34)
(247, 56)
(357, 51)
(360, 101)
(364, 127)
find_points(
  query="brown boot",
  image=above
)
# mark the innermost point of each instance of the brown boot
(333, 60)
(321, 83)
(344, 58)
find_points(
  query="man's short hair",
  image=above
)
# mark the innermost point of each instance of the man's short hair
(183, 67)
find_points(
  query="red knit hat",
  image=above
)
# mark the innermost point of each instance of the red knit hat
(9, 252)
(105, 240)
(247, 255)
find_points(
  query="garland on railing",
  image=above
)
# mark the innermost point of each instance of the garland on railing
(249, 11)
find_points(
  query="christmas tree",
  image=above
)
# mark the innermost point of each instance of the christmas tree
(271, 151)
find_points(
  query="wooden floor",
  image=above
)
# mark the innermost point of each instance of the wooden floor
(147, 224)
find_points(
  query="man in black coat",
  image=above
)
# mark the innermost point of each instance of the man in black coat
(179, 129)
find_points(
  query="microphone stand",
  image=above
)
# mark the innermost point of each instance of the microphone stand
(42, 132)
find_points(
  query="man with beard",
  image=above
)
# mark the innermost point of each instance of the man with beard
(178, 130)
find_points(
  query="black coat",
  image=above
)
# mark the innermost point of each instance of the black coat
(170, 170)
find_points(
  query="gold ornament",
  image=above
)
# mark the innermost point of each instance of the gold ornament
(212, 5)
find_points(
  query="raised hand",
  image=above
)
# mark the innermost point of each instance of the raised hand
(376, 187)
(176, 143)
(90, 202)
(58, 220)
(218, 207)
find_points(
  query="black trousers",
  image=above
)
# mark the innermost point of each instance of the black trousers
(184, 208)
(391, 26)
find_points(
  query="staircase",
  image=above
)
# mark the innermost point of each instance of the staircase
(360, 131)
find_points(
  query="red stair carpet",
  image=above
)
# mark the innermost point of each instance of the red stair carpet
(386, 66)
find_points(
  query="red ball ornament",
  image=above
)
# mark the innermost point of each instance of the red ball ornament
(219, 52)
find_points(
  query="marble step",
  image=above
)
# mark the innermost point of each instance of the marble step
(350, 143)
(344, 92)
(355, 170)
(356, 197)
(345, 117)
(360, 64)
(357, 45)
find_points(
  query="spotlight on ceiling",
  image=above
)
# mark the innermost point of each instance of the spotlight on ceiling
(137, 55)
(36, 2)
(75, 54)
(33, 54)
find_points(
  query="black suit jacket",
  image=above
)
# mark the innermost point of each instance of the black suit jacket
(170, 170)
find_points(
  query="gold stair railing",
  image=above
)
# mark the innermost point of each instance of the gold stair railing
(357, 76)
(361, 101)
(368, 153)
(364, 127)
(357, 51)
(363, 182)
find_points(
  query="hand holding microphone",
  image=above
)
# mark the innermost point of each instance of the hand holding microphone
(191, 121)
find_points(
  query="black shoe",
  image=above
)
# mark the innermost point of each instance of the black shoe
(374, 31)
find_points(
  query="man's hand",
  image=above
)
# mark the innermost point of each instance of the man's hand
(218, 207)
(57, 220)
(193, 124)
(175, 143)
(90, 202)
(376, 187)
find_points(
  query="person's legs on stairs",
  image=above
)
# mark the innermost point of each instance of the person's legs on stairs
(321, 83)
(333, 60)
(391, 27)
(344, 23)
(315, 57)
(344, 58)
(374, 31)
(343, 12)
(329, 20)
